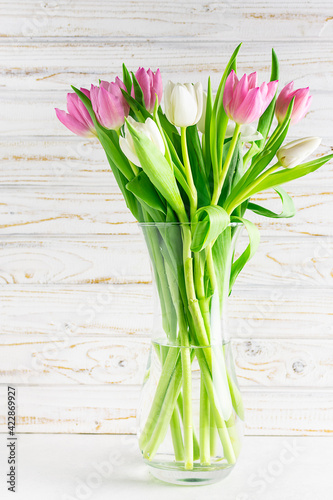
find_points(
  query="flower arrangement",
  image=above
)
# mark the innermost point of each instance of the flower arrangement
(195, 167)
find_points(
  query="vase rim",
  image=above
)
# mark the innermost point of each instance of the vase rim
(176, 223)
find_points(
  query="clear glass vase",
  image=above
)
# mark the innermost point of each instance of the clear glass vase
(190, 418)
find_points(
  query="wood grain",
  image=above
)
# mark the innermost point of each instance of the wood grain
(294, 261)
(74, 210)
(31, 65)
(60, 312)
(89, 410)
(121, 360)
(156, 19)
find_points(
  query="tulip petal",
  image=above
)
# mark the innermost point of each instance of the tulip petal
(250, 108)
(74, 125)
(167, 100)
(128, 151)
(229, 87)
(199, 98)
(184, 106)
(145, 83)
(252, 80)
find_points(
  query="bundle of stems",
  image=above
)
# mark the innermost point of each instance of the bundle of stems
(187, 174)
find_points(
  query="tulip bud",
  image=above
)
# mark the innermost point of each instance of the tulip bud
(150, 129)
(151, 85)
(295, 152)
(109, 104)
(183, 103)
(301, 106)
(243, 101)
(77, 120)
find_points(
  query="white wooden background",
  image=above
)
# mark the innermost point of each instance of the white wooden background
(74, 279)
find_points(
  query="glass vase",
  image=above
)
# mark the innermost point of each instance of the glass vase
(190, 418)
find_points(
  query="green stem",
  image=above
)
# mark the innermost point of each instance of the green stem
(193, 304)
(175, 428)
(188, 172)
(200, 290)
(213, 434)
(168, 370)
(204, 425)
(228, 449)
(219, 185)
(196, 448)
(187, 406)
(156, 427)
(205, 357)
(177, 438)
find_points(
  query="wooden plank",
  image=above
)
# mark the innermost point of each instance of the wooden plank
(61, 311)
(292, 261)
(68, 160)
(112, 410)
(75, 161)
(122, 361)
(112, 310)
(156, 19)
(32, 65)
(96, 259)
(94, 210)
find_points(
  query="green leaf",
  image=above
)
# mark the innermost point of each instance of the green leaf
(198, 166)
(140, 111)
(287, 175)
(254, 239)
(138, 91)
(127, 79)
(168, 127)
(265, 121)
(234, 172)
(145, 191)
(208, 223)
(288, 207)
(209, 109)
(157, 169)
(219, 119)
(213, 146)
(231, 65)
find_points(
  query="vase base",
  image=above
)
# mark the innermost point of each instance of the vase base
(200, 475)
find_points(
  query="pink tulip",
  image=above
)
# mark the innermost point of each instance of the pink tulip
(77, 120)
(151, 84)
(109, 104)
(302, 103)
(243, 101)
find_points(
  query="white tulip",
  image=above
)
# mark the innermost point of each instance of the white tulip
(183, 103)
(295, 152)
(202, 121)
(248, 133)
(149, 129)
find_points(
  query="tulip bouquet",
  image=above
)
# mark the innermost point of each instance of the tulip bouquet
(194, 167)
